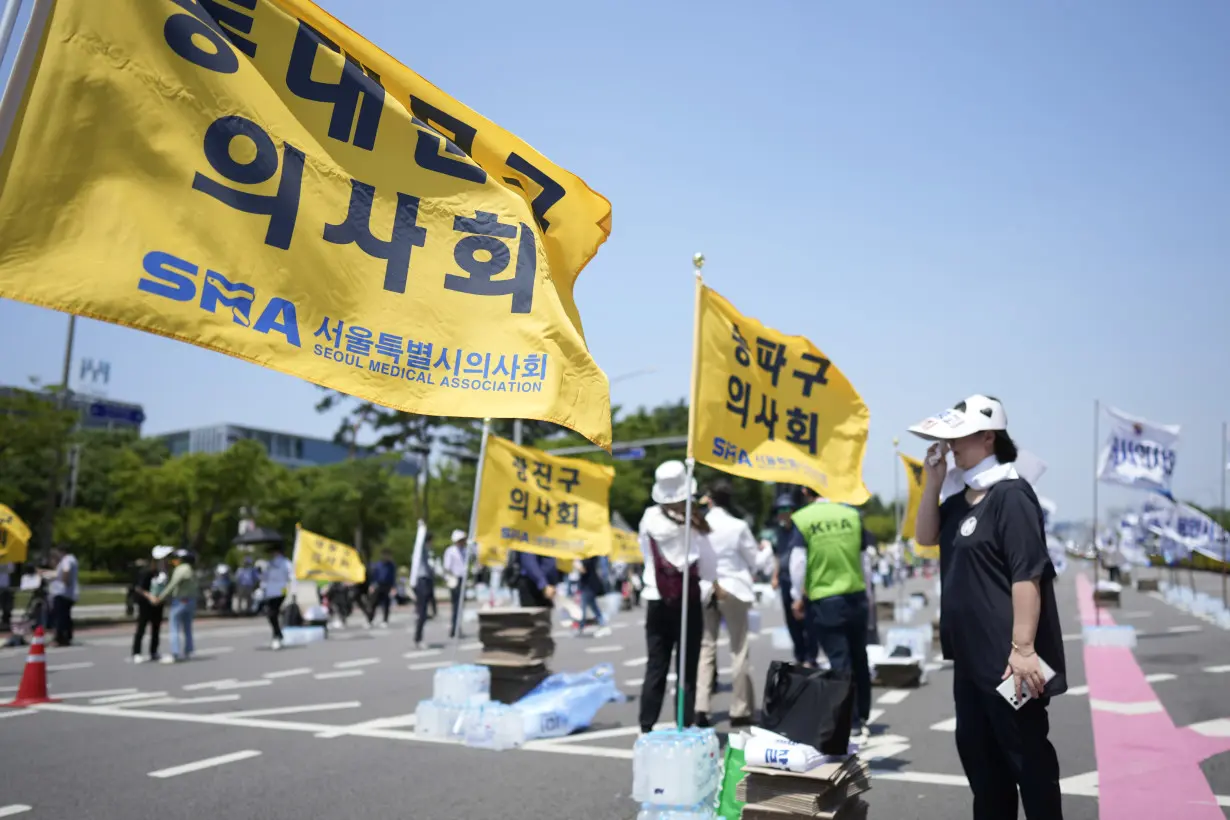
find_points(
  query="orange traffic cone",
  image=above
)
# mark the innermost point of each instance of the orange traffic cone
(33, 688)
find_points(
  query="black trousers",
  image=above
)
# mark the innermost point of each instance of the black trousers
(531, 595)
(147, 615)
(273, 611)
(382, 601)
(839, 624)
(804, 651)
(662, 640)
(62, 611)
(6, 605)
(424, 592)
(1001, 750)
(454, 623)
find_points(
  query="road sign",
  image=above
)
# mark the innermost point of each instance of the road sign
(117, 412)
(630, 454)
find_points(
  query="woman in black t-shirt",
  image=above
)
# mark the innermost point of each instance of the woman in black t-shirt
(998, 617)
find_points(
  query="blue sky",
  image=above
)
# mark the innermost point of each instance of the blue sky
(1028, 199)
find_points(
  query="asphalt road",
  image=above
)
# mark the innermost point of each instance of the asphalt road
(327, 729)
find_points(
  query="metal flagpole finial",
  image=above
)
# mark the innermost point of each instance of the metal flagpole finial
(698, 261)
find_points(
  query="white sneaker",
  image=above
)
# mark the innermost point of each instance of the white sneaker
(384, 624)
(276, 645)
(602, 632)
(167, 659)
(138, 659)
(367, 625)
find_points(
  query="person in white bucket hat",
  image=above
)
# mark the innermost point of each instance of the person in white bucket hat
(667, 568)
(998, 616)
(454, 572)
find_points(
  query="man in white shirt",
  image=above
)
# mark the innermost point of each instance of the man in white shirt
(275, 583)
(454, 573)
(739, 557)
(64, 592)
(669, 566)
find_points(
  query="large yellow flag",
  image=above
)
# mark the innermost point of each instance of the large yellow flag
(317, 558)
(253, 177)
(915, 481)
(14, 537)
(625, 547)
(532, 501)
(772, 407)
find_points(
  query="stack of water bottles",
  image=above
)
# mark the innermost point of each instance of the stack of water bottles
(676, 774)
(454, 688)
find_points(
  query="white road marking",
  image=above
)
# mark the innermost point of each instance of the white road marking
(422, 653)
(207, 763)
(470, 647)
(395, 722)
(214, 650)
(597, 650)
(636, 662)
(106, 701)
(1160, 677)
(16, 808)
(1218, 670)
(292, 710)
(893, 697)
(874, 715)
(949, 725)
(97, 693)
(1212, 728)
(419, 667)
(169, 701)
(356, 664)
(921, 777)
(288, 673)
(1077, 691)
(634, 683)
(209, 684)
(12, 713)
(933, 667)
(1143, 707)
(1077, 637)
(1133, 615)
(1181, 630)
(1084, 785)
(66, 667)
(345, 673)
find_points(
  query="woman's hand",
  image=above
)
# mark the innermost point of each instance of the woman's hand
(1027, 672)
(936, 463)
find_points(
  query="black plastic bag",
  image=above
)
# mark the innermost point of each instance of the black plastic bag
(810, 706)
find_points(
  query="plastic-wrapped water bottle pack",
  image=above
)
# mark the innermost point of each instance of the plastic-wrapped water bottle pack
(676, 774)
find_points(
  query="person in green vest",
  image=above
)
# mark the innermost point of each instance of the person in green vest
(827, 588)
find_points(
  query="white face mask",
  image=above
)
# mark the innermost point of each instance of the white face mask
(981, 476)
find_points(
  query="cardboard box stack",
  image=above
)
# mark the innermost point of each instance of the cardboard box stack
(829, 792)
(517, 644)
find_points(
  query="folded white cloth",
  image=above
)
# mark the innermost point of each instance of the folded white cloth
(779, 753)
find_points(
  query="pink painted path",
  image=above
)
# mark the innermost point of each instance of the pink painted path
(1147, 767)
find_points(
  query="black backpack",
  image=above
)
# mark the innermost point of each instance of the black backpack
(512, 569)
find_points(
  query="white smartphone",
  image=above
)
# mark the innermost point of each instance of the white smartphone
(1008, 688)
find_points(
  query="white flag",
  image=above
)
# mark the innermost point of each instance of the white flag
(1139, 453)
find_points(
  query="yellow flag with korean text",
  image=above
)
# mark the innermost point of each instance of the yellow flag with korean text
(317, 558)
(625, 547)
(772, 407)
(532, 501)
(254, 177)
(14, 537)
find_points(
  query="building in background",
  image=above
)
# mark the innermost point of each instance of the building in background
(289, 449)
(93, 412)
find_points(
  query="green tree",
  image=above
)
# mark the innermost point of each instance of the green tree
(33, 434)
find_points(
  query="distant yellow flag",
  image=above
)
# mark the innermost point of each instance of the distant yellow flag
(254, 177)
(317, 558)
(532, 501)
(915, 482)
(14, 537)
(772, 407)
(625, 547)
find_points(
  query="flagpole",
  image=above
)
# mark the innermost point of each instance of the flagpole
(899, 511)
(7, 22)
(471, 540)
(1222, 516)
(698, 262)
(1097, 556)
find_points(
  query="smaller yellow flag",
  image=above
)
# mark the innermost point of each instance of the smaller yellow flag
(317, 558)
(625, 547)
(14, 537)
(532, 501)
(915, 481)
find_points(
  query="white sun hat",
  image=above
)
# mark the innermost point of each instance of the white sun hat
(981, 413)
(459, 535)
(161, 552)
(670, 483)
